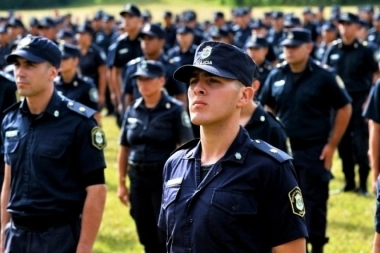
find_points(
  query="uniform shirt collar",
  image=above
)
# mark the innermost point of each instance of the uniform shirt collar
(163, 103)
(52, 108)
(309, 66)
(237, 152)
(258, 115)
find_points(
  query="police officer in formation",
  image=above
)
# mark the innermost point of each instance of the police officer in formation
(51, 189)
(228, 194)
(303, 94)
(154, 125)
(74, 85)
(356, 65)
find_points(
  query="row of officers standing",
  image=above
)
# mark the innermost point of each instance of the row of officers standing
(317, 106)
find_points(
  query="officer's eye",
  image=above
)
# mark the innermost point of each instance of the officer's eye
(193, 81)
(213, 80)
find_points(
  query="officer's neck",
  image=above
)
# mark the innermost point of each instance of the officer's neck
(348, 41)
(153, 56)
(214, 147)
(68, 76)
(246, 112)
(298, 67)
(38, 103)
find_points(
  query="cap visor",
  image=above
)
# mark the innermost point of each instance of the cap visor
(184, 73)
(145, 74)
(24, 54)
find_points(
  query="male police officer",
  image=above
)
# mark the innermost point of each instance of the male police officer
(356, 65)
(302, 94)
(51, 189)
(226, 192)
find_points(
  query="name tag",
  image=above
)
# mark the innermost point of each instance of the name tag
(174, 181)
(132, 120)
(10, 134)
(334, 57)
(123, 51)
(279, 83)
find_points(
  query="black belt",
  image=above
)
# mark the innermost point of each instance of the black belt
(147, 168)
(42, 223)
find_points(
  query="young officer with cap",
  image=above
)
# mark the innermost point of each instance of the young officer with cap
(51, 189)
(226, 192)
(303, 95)
(153, 127)
(356, 65)
(73, 85)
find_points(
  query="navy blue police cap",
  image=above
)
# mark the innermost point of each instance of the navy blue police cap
(131, 9)
(189, 15)
(65, 33)
(15, 22)
(184, 29)
(277, 14)
(297, 37)
(257, 24)
(256, 42)
(218, 14)
(292, 21)
(69, 50)
(220, 59)
(349, 18)
(153, 30)
(85, 28)
(108, 18)
(33, 21)
(219, 32)
(47, 22)
(36, 49)
(167, 14)
(307, 10)
(328, 26)
(149, 69)
(3, 29)
(99, 14)
(376, 17)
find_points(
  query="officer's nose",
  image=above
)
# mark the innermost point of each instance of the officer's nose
(198, 88)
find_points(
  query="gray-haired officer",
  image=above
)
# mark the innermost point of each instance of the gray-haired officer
(303, 95)
(51, 189)
(226, 192)
(153, 127)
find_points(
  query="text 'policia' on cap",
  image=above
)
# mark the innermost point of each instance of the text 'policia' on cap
(36, 49)
(220, 59)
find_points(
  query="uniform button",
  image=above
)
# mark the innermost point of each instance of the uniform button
(189, 250)
(191, 220)
(234, 208)
(257, 141)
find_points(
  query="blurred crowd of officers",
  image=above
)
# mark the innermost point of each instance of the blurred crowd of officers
(101, 55)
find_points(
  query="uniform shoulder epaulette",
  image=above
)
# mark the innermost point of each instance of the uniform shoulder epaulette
(336, 42)
(174, 59)
(187, 145)
(7, 76)
(85, 79)
(268, 149)
(12, 107)
(122, 37)
(80, 109)
(281, 64)
(134, 61)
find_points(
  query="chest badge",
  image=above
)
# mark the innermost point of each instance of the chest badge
(98, 138)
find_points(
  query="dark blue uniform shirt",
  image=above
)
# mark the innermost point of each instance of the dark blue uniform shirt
(182, 58)
(104, 40)
(152, 134)
(81, 89)
(264, 126)
(354, 63)
(91, 61)
(264, 70)
(372, 110)
(248, 202)
(241, 36)
(50, 156)
(122, 51)
(172, 86)
(311, 98)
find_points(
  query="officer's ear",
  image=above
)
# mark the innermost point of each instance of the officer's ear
(246, 95)
(309, 47)
(256, 86)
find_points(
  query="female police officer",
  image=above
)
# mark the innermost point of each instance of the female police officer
(153, 125)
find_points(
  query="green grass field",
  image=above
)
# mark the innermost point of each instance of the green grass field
(350, 217)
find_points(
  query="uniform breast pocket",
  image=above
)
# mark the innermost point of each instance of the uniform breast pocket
(11, 145)
(168, 205)
(278, 88)
(52, 150)
(232, 215)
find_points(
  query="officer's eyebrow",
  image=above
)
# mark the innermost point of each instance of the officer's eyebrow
(197, 73)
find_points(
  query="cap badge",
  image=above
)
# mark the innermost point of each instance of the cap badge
(206, 52)
(62, 45)
(144, 66)
(253, 39)
(290, 36)
(24, 43)
(146, 28)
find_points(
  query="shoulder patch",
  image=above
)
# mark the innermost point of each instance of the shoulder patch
(274, 152)
(98, 138)
(296, 201)
(187, 145)
(80, 109)
(7, 76)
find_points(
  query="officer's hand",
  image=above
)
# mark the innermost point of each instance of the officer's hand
(327, 156)
(123, 194)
